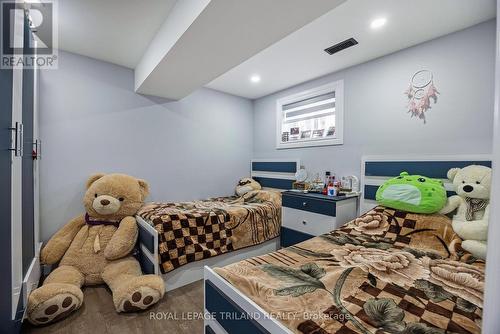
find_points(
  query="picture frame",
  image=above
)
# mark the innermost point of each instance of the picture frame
(318, 133)
(305, 134)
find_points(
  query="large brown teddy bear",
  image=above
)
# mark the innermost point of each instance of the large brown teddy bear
(94, 248)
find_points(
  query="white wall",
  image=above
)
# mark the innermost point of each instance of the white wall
(376, 121)
(491, 320)
(92, 121)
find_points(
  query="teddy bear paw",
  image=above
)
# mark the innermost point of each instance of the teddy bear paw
(54, 308)
(139, 299)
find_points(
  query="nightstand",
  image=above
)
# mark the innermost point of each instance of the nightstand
(306, 215)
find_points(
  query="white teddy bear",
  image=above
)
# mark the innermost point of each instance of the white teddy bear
(472, 185)
(246, 185)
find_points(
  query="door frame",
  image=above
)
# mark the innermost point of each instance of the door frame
(16, 172)
(491, 320)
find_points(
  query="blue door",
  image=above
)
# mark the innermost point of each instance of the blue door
(5, 200)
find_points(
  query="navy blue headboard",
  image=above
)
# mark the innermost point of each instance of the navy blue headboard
(377, 169)
(275, 173)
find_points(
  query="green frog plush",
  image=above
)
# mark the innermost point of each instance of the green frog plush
(412, 193)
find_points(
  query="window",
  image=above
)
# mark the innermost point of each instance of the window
(311, 118)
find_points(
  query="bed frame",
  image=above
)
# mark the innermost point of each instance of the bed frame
(375, 170)
(270, 173)
(228, 311)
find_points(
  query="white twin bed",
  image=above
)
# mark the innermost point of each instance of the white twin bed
(270, 173)
(228, 310)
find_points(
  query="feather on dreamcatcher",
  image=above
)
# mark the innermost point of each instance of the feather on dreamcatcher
(420, 93)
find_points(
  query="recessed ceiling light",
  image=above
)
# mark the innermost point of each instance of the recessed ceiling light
(255, 78)
(377, 23)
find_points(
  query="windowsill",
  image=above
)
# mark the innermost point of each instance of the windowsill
(312, 143)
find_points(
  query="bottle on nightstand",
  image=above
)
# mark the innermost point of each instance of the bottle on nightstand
(331, 188)
(327, 181)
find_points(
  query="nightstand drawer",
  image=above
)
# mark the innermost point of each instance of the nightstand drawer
(315, 205)
(307, 222)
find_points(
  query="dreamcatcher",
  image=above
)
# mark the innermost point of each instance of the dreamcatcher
(420, 93)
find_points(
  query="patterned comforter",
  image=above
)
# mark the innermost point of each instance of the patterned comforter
(192, 231)
(385, 272)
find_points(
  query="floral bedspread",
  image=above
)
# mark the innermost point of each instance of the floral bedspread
(384, 272)
(192, 231)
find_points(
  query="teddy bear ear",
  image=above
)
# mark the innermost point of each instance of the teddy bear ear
(93, 178)
(452, 173)
(144, 188)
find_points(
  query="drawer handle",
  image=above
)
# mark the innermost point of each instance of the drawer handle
(304, 204)
(304, 222)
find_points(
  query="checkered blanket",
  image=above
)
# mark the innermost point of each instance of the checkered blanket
(384, 272)
(192, 231)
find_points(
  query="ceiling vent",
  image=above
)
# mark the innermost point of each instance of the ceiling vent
(341, 46)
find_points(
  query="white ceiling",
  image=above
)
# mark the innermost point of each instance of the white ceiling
(190, 51)
(116, 31)
(300, 57)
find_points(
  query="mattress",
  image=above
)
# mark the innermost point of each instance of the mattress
(192, 231)
(385, 272)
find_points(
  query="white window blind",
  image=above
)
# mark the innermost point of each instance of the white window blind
(314, 107)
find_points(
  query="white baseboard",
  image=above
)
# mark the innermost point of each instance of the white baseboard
(32, 277)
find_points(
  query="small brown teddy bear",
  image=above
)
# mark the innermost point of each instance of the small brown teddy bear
(245, 185)
(94, 248)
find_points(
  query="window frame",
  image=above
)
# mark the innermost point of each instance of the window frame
(338, 87)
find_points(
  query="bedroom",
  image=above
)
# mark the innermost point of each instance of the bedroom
(193, 98)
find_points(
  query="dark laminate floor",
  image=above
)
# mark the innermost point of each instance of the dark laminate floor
(97, 315)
